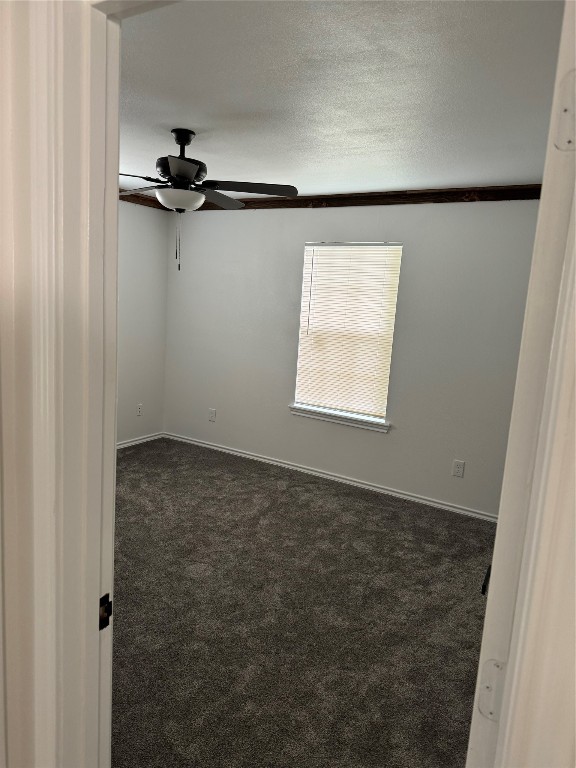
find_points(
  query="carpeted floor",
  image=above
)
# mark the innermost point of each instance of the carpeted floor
(266, 618)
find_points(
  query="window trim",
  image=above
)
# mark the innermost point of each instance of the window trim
(349, 242)
(347, 418)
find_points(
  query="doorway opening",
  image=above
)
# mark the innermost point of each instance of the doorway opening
(296, 617)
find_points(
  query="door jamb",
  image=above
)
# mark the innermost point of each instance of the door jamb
(511, 589)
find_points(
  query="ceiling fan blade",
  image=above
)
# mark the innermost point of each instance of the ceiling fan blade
(146, 178)
(141, 189)
(183, 167)
(285, 190)
(223, 201)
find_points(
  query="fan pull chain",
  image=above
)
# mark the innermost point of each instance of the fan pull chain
(178, 227)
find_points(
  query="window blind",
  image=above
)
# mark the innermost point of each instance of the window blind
(347, 326)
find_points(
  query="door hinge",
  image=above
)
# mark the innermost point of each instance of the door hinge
(491, 689)
(105, 610)
(565, 132)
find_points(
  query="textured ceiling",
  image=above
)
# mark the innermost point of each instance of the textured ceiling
(344, 96)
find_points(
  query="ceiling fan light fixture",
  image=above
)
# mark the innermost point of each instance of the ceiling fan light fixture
(180, 199)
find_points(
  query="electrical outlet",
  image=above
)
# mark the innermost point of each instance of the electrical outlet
(140, 409)
(211, 414)
(458, 468)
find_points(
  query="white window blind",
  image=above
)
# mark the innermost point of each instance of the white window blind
(346, 327)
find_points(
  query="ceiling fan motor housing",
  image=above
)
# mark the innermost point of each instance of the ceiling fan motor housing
(163, 169)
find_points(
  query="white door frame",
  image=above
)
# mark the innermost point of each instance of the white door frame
(59, 72)
(519, 572)
(60, 65)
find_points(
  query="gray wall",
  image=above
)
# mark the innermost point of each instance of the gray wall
(144, 238)
(232, 333)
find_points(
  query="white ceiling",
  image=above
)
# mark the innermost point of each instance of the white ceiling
(343, 96)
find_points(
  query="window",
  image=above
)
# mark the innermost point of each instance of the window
(346, 330)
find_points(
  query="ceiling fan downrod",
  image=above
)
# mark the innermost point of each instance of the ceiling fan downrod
(183, 137)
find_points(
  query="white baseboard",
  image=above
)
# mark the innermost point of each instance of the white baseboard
(339, 478)
(143, 439)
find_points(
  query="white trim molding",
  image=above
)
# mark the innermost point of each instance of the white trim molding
(541, 670)
(334, 476)
(124, 9)
(138, 440)
(518, 536)
(59, 74)
(340, 417)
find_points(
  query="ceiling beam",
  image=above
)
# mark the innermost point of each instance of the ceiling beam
(406, 197)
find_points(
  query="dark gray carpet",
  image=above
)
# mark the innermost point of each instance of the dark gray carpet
(266, 618)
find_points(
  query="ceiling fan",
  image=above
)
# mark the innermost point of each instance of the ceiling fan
(184, 187)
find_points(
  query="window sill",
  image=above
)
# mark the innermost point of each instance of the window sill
(341, 417)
